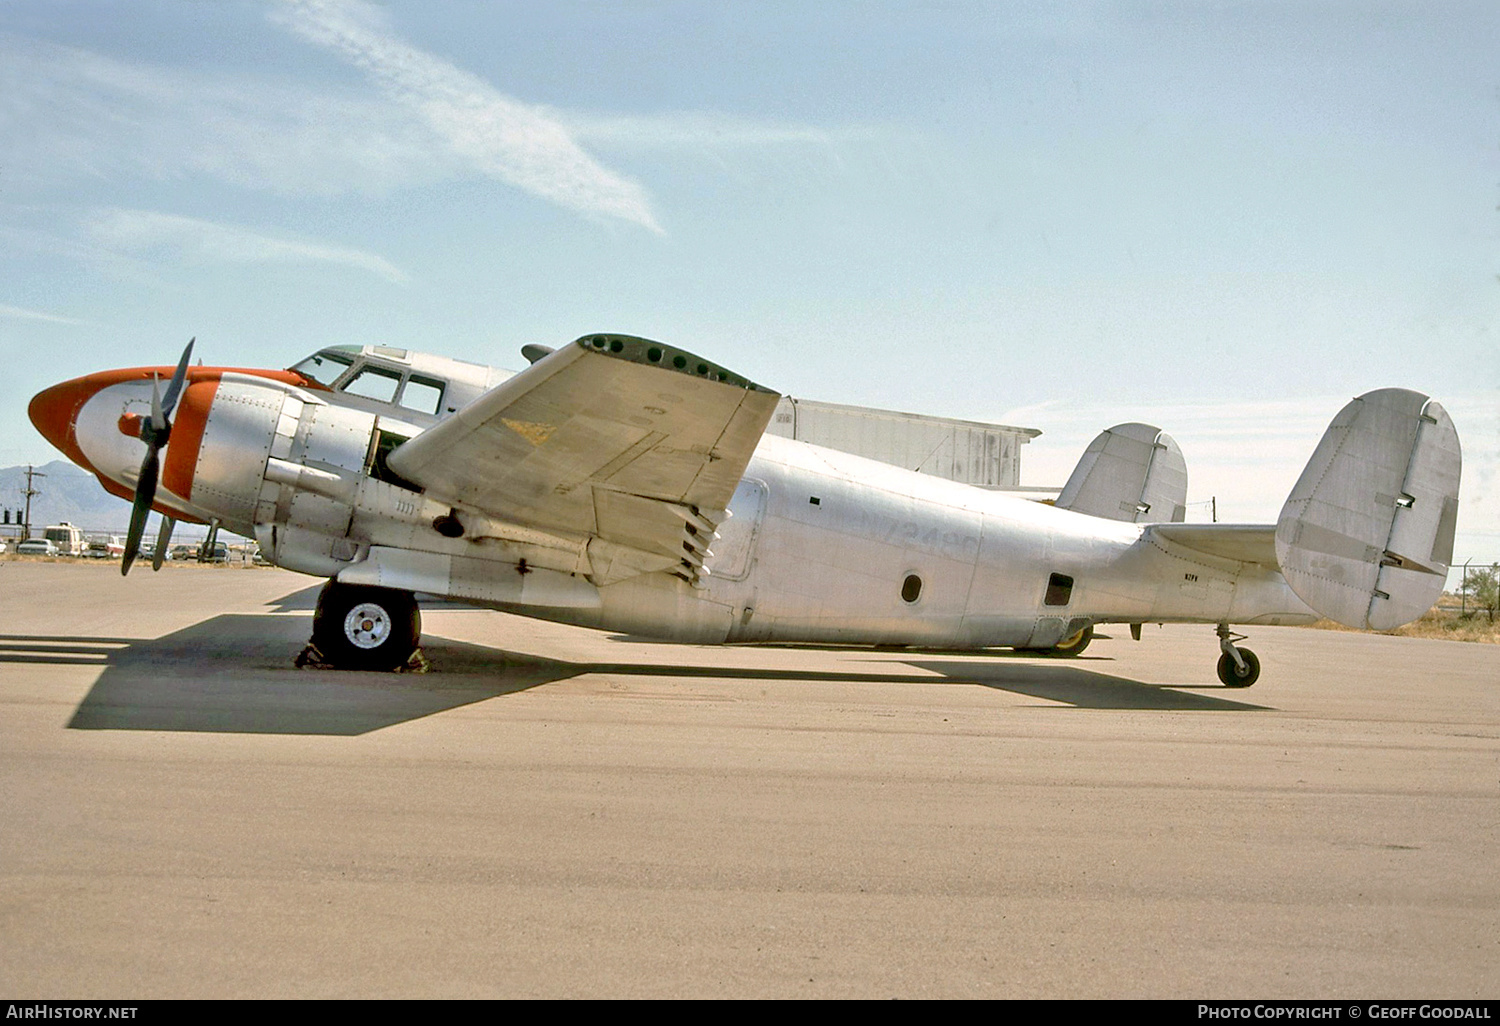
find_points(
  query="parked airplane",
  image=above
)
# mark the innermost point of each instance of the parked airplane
(623, 484)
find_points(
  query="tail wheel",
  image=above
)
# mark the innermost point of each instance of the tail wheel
(363, 628)
(1233, 676)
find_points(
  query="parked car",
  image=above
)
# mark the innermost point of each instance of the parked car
(194, 553)
(36, 547)
(106, 548)
(147, 552)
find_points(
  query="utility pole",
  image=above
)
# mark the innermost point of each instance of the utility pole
(31, 472)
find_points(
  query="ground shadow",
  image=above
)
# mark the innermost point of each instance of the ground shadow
(234, 673)
(1085, 689)
(58, 650)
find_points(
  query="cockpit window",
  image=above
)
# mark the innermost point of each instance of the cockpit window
(374, 383)
(422, 395)
(324, 367)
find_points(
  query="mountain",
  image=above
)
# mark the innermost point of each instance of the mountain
(65, 493)
(69, 493)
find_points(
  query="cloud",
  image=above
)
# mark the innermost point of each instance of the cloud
(68, 113)
(702, 130)
(192, 239)
(23, 314)
(492, 133)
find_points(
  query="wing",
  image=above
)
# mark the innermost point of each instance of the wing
(636, 445)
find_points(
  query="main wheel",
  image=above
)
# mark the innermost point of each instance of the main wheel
(1068, 647)
(362, 628)
(1233, 676)
(1073, 644)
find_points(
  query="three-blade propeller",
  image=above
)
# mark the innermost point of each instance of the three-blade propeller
(155, 432)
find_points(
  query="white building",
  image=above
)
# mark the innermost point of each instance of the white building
(971, 452)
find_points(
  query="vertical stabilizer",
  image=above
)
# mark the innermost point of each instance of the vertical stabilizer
(1366, 537)
(1130, 472)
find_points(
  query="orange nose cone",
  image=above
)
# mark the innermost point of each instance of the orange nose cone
(55, 410)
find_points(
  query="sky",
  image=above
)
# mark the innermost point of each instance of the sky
(1226, 219)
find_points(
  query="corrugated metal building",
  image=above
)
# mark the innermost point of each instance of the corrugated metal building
(972, 452)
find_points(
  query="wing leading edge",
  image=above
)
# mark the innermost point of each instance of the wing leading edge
(635, 445)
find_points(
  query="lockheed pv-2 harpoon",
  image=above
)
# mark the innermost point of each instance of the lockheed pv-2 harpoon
(623, 484)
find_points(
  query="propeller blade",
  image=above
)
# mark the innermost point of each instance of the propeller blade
(145, 493)
(159, 422)
(163, 539)
(174, 389)
(155, 433)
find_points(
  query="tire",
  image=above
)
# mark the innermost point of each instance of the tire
(1230, 674)
(1067, 648)
(1074, 644)
(363, 628)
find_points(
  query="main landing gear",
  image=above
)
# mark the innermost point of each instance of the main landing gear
(357, 627)
(1073, 644)
(1068, 647)
(1238, 667)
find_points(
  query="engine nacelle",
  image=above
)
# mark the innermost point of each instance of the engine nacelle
(273, 461)
(222, 436)
(311, 479)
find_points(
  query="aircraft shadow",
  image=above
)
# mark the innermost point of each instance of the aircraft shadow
(56, 650)
(1085, 689)
(233, 673)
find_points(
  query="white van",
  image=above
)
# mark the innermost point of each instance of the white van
(68, 539)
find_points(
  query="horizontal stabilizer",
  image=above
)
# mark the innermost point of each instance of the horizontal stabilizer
(1366, 537)
(1248, 543)
(1131, 472)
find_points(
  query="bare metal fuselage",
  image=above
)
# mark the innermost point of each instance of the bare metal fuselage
(821, 547)
(822, 544)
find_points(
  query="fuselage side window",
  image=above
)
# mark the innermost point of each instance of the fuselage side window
(1059, 590)
(375, 383)
(423, 395)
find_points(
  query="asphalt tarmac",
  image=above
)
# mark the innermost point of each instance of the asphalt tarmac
(554, 812)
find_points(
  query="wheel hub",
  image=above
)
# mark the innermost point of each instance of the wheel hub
(367, 626)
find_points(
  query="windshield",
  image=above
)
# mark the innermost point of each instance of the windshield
(324, 367)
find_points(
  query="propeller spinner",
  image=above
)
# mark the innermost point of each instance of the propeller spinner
(155, 431)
